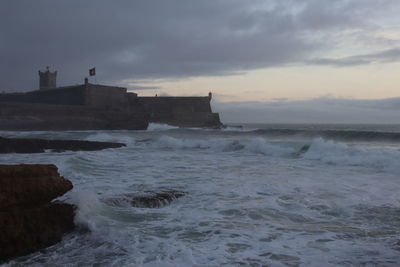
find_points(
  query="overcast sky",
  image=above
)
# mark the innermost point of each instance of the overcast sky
(243, 51)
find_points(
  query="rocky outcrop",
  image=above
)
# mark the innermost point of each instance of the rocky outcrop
(21, 145)
(29, 221)
(148, 199)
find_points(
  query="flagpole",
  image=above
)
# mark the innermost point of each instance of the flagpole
(92, 72)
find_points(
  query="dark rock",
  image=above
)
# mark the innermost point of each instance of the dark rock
(148, 199)
(30, 185)
(156, 200)
(29, 221)
(27, 230)
(22, 145)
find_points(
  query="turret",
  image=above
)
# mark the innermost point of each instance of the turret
(47, 79)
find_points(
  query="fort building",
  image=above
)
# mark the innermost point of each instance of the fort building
(90, 106)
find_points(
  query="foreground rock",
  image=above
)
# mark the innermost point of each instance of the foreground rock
(22, 145)
(28, 220)
(148, 199)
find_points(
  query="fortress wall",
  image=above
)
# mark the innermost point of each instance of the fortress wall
(91, 106)
(180, 111)
(175, 104)
(30, 116)
(108, 97)
(100, 96)
(71, 95)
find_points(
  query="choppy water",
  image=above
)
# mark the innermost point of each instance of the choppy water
(275, 195)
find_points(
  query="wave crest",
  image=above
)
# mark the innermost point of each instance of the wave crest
(111, 137)
(326, 151)
(331, 152)
(160, 127)
(255, 145)
(361, 135)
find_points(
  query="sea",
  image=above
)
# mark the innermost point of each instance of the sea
(256, 195)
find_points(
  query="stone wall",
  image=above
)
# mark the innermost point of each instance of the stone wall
(175, 104)
(70, 95)
(106, 97)
(43, 117)
(181, 111)
(91, 106)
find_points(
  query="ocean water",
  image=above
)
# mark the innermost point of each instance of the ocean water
(263, 195)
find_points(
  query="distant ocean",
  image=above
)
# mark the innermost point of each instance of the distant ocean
(275, 195)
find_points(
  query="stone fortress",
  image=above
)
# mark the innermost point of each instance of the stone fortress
(98, 107)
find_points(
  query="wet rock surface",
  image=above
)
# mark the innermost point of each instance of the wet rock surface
(148, 199)
(22, 145)
(29, 221)
(30, 185)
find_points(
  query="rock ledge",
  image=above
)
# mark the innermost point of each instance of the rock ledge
(24, 145)
(29, 221)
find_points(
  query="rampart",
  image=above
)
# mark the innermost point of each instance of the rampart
(45, 117)
(92, 107)
(80, 107)
(180, 111)
(91, 95)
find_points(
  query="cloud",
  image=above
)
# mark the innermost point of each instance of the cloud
(318, 110)
(156, 39)
(390, 55)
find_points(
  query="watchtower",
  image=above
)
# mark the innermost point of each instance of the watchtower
(47, 79)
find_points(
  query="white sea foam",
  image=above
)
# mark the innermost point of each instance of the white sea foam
(88, 204)
(254, 145)
(250, 201)
(160, 127)
(119, 137)
(238, 129)
(260, 145)
(342, 154)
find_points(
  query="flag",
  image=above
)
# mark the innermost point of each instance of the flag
(92, 72)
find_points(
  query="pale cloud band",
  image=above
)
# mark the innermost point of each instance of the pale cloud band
(318, 110)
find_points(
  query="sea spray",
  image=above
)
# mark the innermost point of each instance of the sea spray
(337, 153)
(253, 199)
(160, 127)
(88, 205)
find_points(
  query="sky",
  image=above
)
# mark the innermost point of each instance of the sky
(327, 61)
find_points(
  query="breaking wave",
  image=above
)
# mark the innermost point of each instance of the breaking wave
(111, 137)
(160, 127)
(255, 145)
(250, 198)
(331, 152)
(326, 151)
(347, 135)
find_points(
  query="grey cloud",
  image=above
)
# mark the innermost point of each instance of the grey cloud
(390, 55)
(162, 39)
